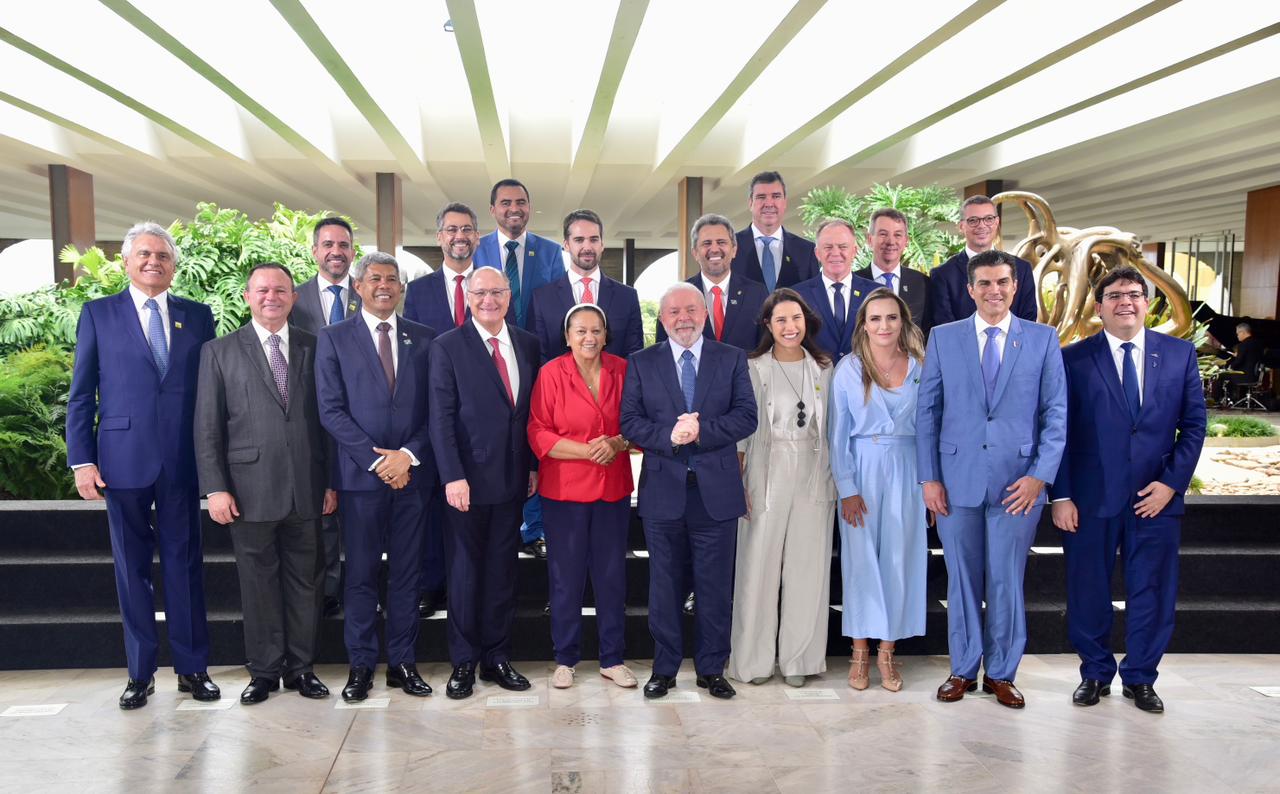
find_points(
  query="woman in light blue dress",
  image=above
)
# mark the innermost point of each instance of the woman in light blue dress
(883, 553)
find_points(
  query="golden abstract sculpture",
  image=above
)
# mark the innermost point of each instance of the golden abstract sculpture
(1068, 263)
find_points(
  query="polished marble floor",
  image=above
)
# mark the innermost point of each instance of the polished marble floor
(1217, 735)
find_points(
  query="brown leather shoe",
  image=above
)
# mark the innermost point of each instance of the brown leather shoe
(954, 688)
(1006, 693)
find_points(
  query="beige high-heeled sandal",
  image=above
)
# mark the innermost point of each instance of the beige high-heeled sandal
(859, 669)
(890, 678)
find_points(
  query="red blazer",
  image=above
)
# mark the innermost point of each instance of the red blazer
(562, 407)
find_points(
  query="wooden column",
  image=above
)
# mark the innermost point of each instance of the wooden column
(1260, 271)
(1154, 254)
(390, 213)
(688, 210)
(629, 261)
(70, 214)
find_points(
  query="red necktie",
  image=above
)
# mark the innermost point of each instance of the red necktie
(501, 364)
(717, 312)
(459, 303)
(587, 297)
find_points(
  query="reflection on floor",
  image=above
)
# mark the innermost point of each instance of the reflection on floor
(1216, 735)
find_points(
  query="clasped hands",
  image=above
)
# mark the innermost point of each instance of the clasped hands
(603, 449)
(394, 467)
(685, 430)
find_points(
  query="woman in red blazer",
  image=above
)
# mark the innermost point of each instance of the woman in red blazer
(584, 477)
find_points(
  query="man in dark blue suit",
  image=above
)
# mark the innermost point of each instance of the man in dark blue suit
(836, 294)
(371, 387)
(137, 360)
(688, 402)
(949, 282)
(481, 379)
(1135, 427)
(732, 301)
(586, 283)
(888, 237)
(766, 252)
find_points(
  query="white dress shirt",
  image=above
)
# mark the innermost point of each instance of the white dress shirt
(847, 291)
(677, 351)
(982, 326)
(450, 281)
(508, 352)
(326, 296)
(521, 243)
(144, 314)
(775, 245)
(264, 334)
(877, 275)
(711, 298)
(575, 281)
(1117, 356)
(373, 322)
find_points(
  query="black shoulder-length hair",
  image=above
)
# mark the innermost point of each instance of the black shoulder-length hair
(812, 324)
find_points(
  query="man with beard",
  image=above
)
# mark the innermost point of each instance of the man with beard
(766, 252)
(888, 238)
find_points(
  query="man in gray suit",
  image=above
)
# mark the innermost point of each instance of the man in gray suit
(326, 299)
(261, 458)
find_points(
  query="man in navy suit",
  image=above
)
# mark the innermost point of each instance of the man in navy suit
(137, 360)
(888, 237)
(1136, 424)
(766, 252)
(948, 282)
(990, 427)
(732, 301)
(481, 379)
(371, 387)
(688, 402)
(836, 294)
(586, 283)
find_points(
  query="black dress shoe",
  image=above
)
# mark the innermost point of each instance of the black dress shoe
(332, 606)
(505, 676)
(431, 602)
(258, 690)
(1144, 697)
(1089, 691)
(658, 685)
(537, 548)
(688, 604)
(461, 681)
(717, 686)
(358, 684)
(405, 676)
(135, 693)
(308, 685)
(200, 686)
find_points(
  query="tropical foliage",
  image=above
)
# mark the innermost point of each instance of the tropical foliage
(33, 411)
(932, 213)
(1240, 427)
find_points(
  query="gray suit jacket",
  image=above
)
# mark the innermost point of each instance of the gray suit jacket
(272, 460)
(308, 312)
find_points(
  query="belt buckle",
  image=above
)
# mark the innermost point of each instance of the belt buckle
(875, 438)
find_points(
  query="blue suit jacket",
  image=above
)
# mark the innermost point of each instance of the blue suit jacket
(361, 413)
(741, 313)
(620, 304)
(814, 293)
(144, 421)
(1110, 457)
(542, 265)
(478, 435)
(425, 303)
(726, 405)
(948, 286)
(799, 262)
(977, 450)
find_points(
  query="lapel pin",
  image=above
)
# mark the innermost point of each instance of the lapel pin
(1015, 343)
(351, 307)
(177, 324)
(733, 301)
(857, 293)
(532, 253)
(904, 287)
(786, 259)
(406, 340)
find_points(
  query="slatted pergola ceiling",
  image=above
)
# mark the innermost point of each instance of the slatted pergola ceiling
(1156, 117)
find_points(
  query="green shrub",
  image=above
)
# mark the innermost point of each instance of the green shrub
(33, 414)
(932, 213)
(1239, 427)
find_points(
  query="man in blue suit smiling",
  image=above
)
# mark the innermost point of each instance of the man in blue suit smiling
(1136, 424)
(990, 427)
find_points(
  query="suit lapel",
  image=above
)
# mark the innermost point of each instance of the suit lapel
(179, 336)
(364, 341)
(404, 352)
(127, 315)
(1150, 370)
(706, 374)
(1012, 349)
(1107, 369)
(526, 365)
(252, 350)
(733, 309)
(672, 379)
(299, 360)
(969, 352)
(485, 362)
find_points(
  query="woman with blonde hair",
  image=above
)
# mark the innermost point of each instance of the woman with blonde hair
(883, 554)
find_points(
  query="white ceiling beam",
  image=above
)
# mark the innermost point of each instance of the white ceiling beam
(493, 137)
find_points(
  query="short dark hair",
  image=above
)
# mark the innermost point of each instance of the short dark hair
(766, 178)
(969, 202)
(266, 266)
(582, 215)
(993, 258)
(501, 183)
(1124, 273)
(887, 212)
(458, 207)
(334, 221)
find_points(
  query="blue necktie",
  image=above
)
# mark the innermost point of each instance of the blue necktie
(767, 265)
(990, 363)
(335, 311)
(155, 337)
(840, 314)
(512, 269)
(888, 280)
(688, 378)
(1129, 381)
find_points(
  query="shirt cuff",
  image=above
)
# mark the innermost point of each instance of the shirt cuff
(413, 459)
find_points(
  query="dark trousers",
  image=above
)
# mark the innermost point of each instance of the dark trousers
(331, 538)
(587, 537)
(135, 536)
(433, 566)
(1149, 549)
(372, 521)
(281, 569)
(481, 547)
(711, 545)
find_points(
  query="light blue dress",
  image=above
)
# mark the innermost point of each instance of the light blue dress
(873, 455)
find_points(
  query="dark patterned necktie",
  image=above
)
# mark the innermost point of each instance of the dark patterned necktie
(279, 368)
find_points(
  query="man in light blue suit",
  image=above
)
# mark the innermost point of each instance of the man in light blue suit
(990, 431)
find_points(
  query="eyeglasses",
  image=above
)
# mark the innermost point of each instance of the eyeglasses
(1132, 295)
(976, 221)
(489, 293)
(465, 230)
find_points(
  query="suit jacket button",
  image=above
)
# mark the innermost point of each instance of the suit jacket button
(984, 446)
(988, 418)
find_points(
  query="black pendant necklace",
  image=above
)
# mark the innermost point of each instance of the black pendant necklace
(800, 414)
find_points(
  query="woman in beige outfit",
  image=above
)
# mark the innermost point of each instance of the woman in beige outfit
(784, 542)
